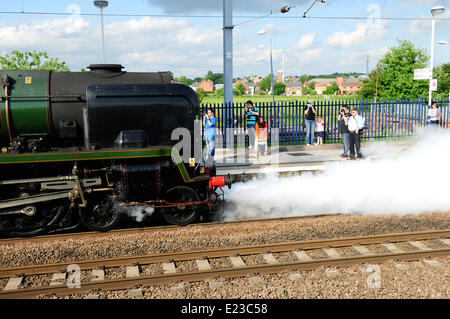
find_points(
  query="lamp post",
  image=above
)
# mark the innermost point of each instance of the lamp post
(443, 42)
(262, 32)
(101, 5)
(435, 11)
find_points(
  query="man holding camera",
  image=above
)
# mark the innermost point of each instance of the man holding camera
(310, 123)
(251, 113)
(355, 125)
(343, 129)
(210, 136)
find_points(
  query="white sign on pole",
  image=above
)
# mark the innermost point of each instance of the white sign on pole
(422, 74)
(433, 85)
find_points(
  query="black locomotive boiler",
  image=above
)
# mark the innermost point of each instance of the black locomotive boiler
(82, 147)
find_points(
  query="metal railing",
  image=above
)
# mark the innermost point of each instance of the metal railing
(384, 119)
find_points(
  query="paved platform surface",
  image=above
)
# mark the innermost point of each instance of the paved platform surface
(298, 157)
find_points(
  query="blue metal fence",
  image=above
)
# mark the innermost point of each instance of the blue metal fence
(385, 119)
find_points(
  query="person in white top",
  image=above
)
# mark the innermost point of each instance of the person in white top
(319, 130)
(434, 114)
(355, 124)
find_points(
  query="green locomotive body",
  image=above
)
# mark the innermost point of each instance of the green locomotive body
(83, 147)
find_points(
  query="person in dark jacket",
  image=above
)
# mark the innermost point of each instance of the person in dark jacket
(310, 123)
(343, 129)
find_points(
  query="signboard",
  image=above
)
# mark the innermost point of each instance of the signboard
(422, 74)
(433, 85)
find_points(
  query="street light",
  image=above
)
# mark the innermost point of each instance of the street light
(435, 11)
(262, 32)
(101, 5)
(443, 42)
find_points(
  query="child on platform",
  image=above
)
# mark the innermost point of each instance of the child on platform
(261, 135)
(319, 130)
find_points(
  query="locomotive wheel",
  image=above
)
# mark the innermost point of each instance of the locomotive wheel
(181, 215)
(45, 216)
(100, 214)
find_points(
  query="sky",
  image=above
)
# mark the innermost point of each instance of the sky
(186, 37)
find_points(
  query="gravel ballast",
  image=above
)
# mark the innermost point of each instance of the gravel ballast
(196, 237)
(419, 280)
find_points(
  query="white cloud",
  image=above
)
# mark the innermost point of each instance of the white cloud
(208, 6)
(145, 44)
(418, 27)
(359, 57)
(296, 57)
(305, 41)
(363, 32)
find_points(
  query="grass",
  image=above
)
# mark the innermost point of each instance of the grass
(211, 99)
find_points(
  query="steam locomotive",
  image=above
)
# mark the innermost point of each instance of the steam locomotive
(80, 147)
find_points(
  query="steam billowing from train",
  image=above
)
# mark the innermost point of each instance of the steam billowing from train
(414, 181)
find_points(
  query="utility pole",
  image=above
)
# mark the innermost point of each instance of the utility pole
(376, 85)
(228, 64)
(367, 65)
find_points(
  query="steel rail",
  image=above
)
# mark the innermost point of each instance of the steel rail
(127, 283)
(127, 231)
(221, 252)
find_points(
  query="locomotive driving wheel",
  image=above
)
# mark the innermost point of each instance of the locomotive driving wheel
(101, 214)
(33, 220)
(187, 211)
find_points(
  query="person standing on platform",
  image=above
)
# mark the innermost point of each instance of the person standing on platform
(262, 135)
(355, 124)
(210, 136)
(310, 123)
(320, 128)
(343, 129)
(434, 114)
(251, 113)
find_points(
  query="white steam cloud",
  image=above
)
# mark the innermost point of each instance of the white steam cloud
(138, 213)
(413, 182)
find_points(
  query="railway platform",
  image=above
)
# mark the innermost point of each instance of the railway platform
(298, 158)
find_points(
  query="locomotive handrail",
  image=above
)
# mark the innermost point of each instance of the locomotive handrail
(78, 96)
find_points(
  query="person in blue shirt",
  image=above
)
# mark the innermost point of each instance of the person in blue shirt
(210, 136)
(251, 113)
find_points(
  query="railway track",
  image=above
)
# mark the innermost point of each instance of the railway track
(303, 256)
(128, 231)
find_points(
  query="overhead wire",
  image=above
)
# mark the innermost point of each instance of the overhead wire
(271, 15)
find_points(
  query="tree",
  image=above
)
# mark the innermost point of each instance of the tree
(31, 61)
(304, 78)
(201, 94)
(279, 88)
(442, 74)
(312, 85)
(306, 90)
(331, 89)
(219, 92)
(396, 75)
(266, 83)
(217, 78)
(239, 89)
(184, 80)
